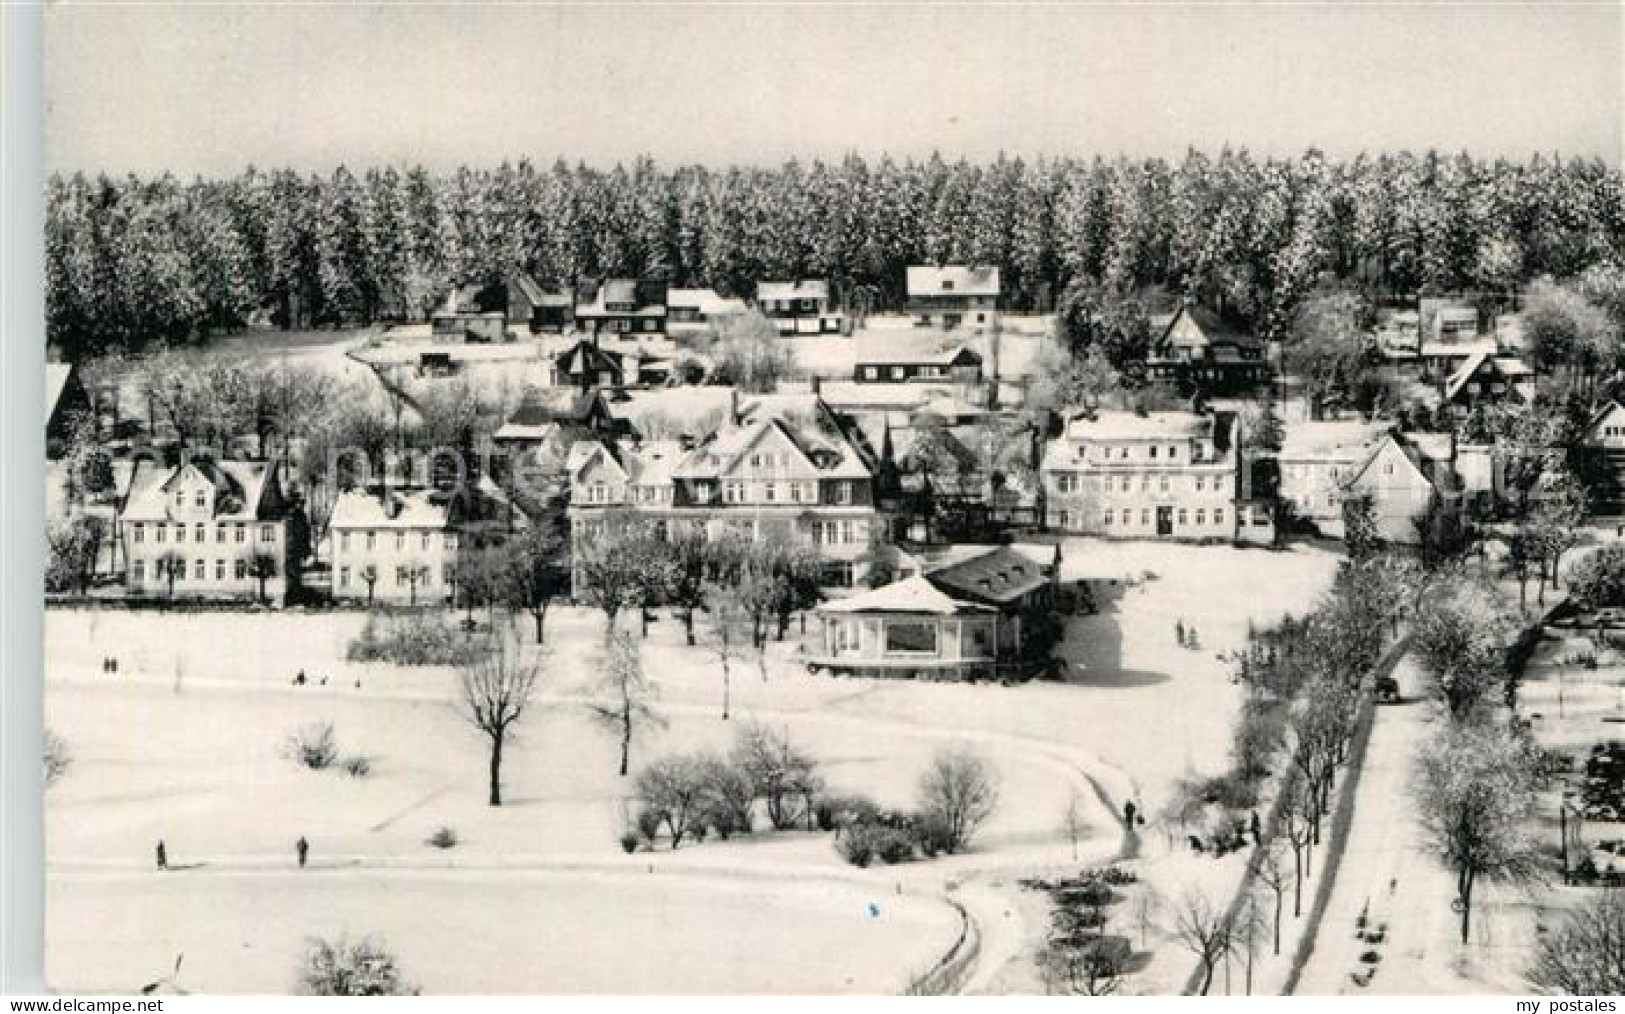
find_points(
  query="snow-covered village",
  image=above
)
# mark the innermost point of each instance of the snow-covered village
(873, 570)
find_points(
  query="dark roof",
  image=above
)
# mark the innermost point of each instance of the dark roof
(586, 358)
(1001, 577)
(542, 293)
(554, 404)
(1212, 326)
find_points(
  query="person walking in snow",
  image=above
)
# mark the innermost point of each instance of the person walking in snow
(303, 848)
(163, 855)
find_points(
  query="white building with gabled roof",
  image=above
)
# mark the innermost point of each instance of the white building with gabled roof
(954, 296)
(778, 467)
(207, 529)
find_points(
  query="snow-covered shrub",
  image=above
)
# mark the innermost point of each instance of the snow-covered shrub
(345, 968)
(444, 837)
(358, 766)
(315, 746)
(415, 639)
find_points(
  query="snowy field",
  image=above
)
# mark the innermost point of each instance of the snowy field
(186, 744)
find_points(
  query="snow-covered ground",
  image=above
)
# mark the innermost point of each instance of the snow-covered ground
(186, 744)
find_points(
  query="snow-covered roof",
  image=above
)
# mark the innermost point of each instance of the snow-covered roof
(1113, 424)
(802, 289)
(240, 487)
(394, 509)
(911, 595)
(1508, 368)
(1340, 439)
(911, 347)
(706, 301)
(953, 280)
(56, 381)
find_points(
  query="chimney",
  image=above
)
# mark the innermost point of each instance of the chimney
(733, 405)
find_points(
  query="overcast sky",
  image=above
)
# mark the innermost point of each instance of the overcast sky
(212, 89)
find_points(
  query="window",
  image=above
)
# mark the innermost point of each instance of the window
(400, 575)
(836, 574)
(451, 540)
(1065, 520)
(1123, 454)
(1108, 515)
(241, 569)
(138, 532)
(1200, 482)
(1162, 483)
(372, 540)
(200, 569)
(1218, 515)
(241, 534)
(425, 540)
(1182, 516)
(733, 492)
(843, 491)
(897, 373)
(871, 373)
(140, 571)
(344, 577)
(912, 637)
(446, 574)
(1145, 515)
(344, 541)
(1153, 450)
(198, 534)
(180, 498)
(770, 491)
(400, 541)
(1128, 516)
(947, 285)
(1201, 516)
(180, 533)
(846, 533)
(219, 535)
(199, 499)
(1173, 452)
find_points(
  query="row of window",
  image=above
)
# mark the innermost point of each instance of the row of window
(1121, 452)
(1072, 482)
(405, 576)
(199, 569)
(370, 539)
(1181, 517)
(844, 532)
(200, 532)
(734, 491)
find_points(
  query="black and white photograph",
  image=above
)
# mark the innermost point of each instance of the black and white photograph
(803, 499)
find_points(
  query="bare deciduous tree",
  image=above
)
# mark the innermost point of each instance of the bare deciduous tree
(496, 692)
(1205, 932)
(1274, 874)
(628, 692)
(780, 774)
(960, 789)
(727, 634)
